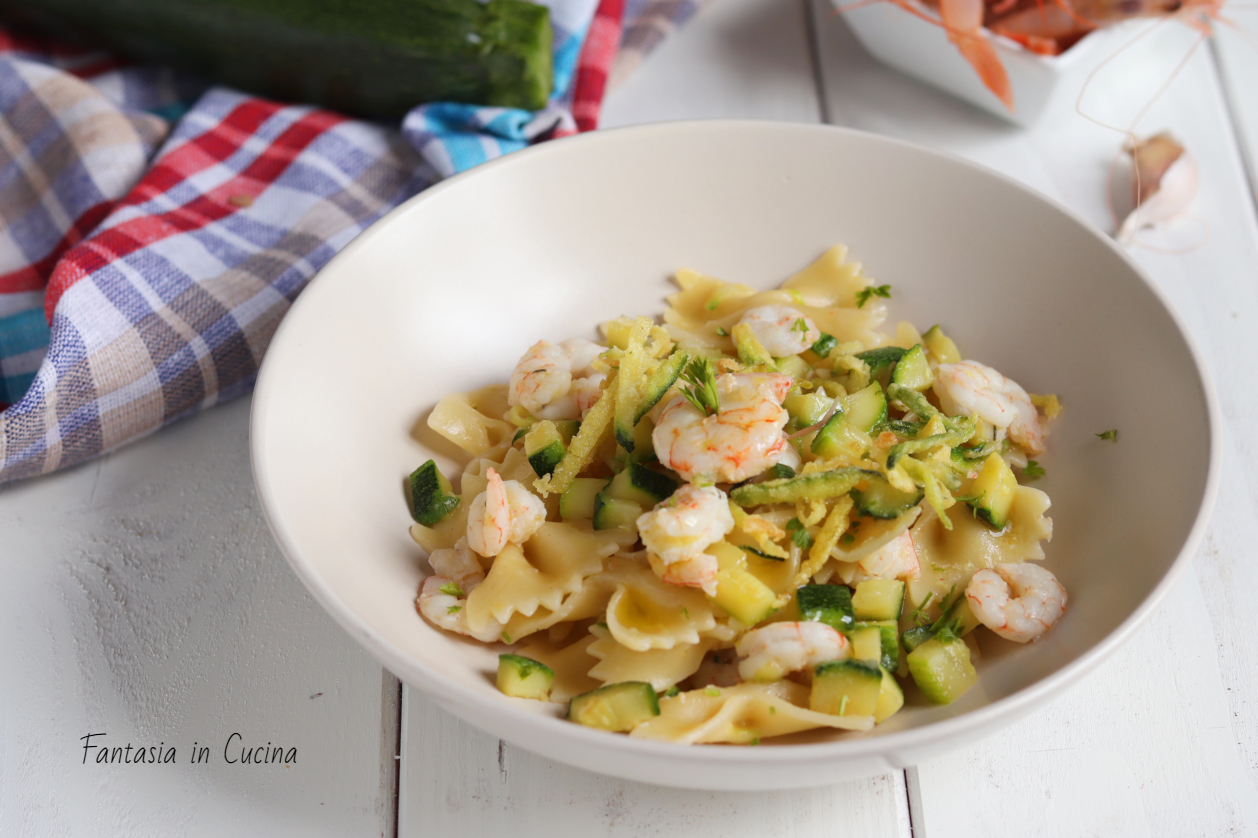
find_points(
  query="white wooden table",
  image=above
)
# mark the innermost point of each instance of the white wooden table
(142, 596)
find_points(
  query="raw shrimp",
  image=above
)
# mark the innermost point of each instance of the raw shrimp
(782, 330)
(978, 389)
(780, 648)
(505, 512)
(551, 381)
(1038, 600)
(443, 596)
(678, 530)
(743, 439)
(962, 21)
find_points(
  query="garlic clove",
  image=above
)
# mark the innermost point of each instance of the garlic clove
(1164, 181)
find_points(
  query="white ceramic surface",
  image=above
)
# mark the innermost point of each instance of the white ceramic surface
(447, 291)
(921, 49)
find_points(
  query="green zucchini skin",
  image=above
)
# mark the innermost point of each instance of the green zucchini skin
(373, 58)
(829, 604)
(432, 499)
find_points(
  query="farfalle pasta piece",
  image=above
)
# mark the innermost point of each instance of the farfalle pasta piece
(473, 421)
(830, 280)
(949, 558)
(868, 538)
(570, 663)
(647, 613)
(740, 715)
(661, 668)
(552, 563)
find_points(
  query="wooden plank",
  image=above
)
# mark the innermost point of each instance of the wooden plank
(1236, 47)
(735, 58)
(460, 781)
(1128, 752)
(144, 598)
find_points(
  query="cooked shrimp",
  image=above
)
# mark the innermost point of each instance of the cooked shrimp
(743, 439)
(678, 530)
(697, 571)
(896, 560)
(1037, 603)
(505, 512)
(443, 596)
(781, 330)
(978, 389)
(543, 380)
(780, 648)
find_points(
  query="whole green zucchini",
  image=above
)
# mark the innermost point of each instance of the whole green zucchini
(375, 58)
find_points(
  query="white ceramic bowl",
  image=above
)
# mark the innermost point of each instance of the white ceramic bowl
(921, 49)
(448, 291)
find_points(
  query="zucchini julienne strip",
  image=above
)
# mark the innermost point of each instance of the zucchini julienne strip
(658, 382)
(915, 446)
(832, 530)
(820, 486)
(580, 453)
(750, 350)
(630, 381)
(937, 494)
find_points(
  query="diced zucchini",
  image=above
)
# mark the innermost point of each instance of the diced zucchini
(881, 360)
(867, 409)
(544, 447)
(751, 351)
(878, 641)
(567, 429)
(942, 670)
(432, 499)
(578, 501)
(846, 688)
(819, 486)
(878, 599)
(890, 699)
(913, 370)
(641, 485)
(829, 604)
(743, 596)
(807, 409)
(941, 346)
(779, 471)
(794, 366)
(825, 345)
(829, 441)
(614, 513)
(882, 500)
(615, 707)
(993, 491)
(524, 677)
(915, 637)
(658, 382)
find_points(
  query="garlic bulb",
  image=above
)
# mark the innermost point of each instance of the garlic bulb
(1164, 183)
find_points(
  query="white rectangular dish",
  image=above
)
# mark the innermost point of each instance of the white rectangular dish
(921, 49)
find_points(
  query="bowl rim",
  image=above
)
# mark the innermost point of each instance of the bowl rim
(471, 705)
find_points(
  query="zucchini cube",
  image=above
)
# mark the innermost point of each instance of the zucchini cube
(846, 688)
(523, 677)
(432, 499)
(615, 707)
(942, 670)
(829, 604)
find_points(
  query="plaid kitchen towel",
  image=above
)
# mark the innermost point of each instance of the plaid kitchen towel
(154, 234)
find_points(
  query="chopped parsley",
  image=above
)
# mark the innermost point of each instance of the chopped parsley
(685, 612)
(1032, 470)
(670, 692)
(712, 305)
(848, 539)
(843, 706)
(800, 326)
(454, 609)
(868, 291)
(773, 710)
(919, 613)
(452, 589)
(799, 535)
(506, 638)
(755, 741)
(720, 331)
(1110, 435)
(702, 392)
(712, 691)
